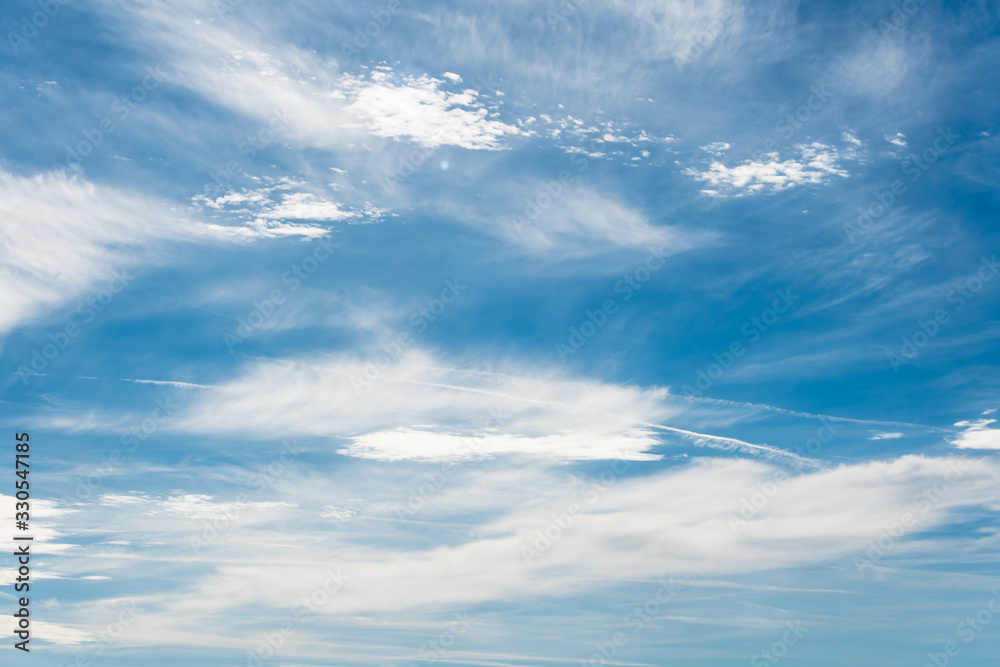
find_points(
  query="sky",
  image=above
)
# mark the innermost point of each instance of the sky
(576, 332)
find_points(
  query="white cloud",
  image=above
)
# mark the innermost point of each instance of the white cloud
(231, 64)
(886, 436)
(188, 505)
(346, 510)
(898, 139)
(416, 108)
(816, 164)
(64, 236)
(717, 147)
(381, 411)
(851, 138)
(274, 210)
(411, 444)
(46, 515)
(880, 64)
(540, 416)
(60, 634)
(306, 98)
(305, 206)
(672, 522)
(582, 222)
(978, 435)
(602, 138)
(685, 30)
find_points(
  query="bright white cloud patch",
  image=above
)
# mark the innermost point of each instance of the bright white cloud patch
(886, 436)
(851, 138)
(815, 164)
(279, 209)
(600, 138)
(419, 110)
(897, 139)
(717, 147)
(410, 444)
(978, 435)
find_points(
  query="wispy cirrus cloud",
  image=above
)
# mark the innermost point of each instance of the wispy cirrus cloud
(235, 64)
(684, 30)
(408, 405)
(63, 235)
(583, 222)
(674, 522)
(379, 413)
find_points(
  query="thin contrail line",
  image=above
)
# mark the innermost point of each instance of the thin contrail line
(739, 404)
(87, 377)
(796, 413)
(50, 375)
(172, 383)
(775, 451)
(183, 303)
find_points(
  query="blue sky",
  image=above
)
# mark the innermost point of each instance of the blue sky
(623, 332)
